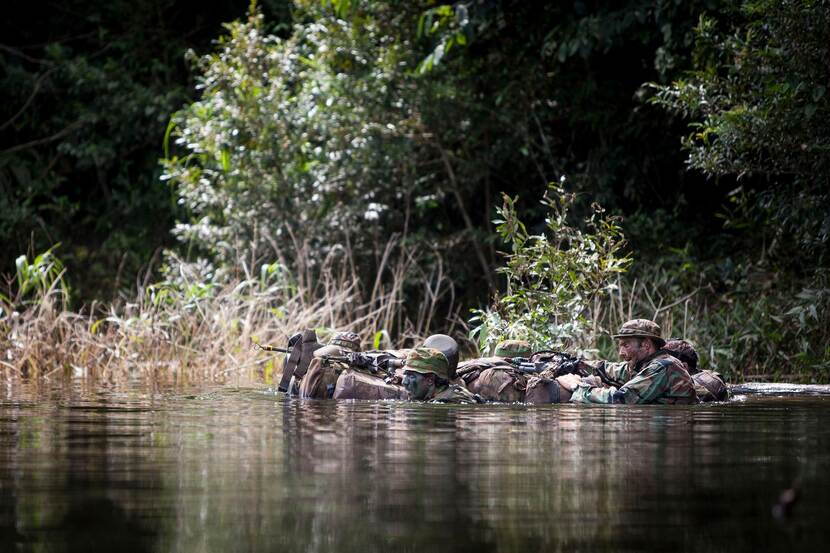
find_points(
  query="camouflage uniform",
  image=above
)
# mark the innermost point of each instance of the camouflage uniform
(495, 378)
(431, 361)
(659, 378)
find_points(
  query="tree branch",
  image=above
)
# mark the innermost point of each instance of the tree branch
(44, 140)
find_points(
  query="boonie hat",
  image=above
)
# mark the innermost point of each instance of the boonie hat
(427, 360)
(640, 328)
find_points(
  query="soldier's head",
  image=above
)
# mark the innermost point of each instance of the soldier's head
(346, 340)
(637, 339)
(425, 371)
(684, 351)
(513, 348)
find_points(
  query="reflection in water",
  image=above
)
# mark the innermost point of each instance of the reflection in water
(249, 470)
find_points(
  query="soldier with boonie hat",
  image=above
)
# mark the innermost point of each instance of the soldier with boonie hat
(647, 374)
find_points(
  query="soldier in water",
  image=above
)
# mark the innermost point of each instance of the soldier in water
(426, 378)
(709, 385)
(319, 382)
(647, 374)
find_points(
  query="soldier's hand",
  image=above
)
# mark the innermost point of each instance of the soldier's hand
(592, 380)
(569, 382)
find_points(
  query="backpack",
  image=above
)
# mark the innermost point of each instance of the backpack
(320, 380)
(493, 379)
(709, 386)
(353, 384)
(544, 390)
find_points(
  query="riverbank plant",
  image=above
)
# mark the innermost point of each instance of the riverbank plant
(555, 278)
(184, 330)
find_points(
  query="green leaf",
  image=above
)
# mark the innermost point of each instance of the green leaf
(381, 337)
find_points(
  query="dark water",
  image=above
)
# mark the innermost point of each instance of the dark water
(248, 470)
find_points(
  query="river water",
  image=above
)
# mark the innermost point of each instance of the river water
(250, 470)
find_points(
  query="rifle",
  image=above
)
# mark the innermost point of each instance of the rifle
(526, 366)
(266, 347)
(568, 365)
(373, 363)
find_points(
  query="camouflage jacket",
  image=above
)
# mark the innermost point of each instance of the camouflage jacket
(455, 393)
(657, 379)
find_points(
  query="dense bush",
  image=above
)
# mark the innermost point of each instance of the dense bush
(757, 100)
(555, 280)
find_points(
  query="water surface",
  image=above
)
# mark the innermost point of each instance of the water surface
(250, 470)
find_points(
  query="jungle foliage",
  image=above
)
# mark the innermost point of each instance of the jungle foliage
(373, 142)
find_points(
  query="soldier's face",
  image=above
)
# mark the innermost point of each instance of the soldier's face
(418, 385)
(631, 350)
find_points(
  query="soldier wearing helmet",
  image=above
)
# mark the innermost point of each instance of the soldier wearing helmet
(513, 348)
(320, 380)
(647, 374)
(426, 378)
(709, 385)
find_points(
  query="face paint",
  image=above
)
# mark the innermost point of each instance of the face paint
(417, 384)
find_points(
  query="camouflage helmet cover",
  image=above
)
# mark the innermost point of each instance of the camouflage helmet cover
(513, 348)
(640, 328)
(682, 350)
(348, 340)
(427, 360)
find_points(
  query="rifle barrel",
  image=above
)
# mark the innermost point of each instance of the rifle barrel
(266, 347)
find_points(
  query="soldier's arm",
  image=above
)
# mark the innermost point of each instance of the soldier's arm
(646, 387)
(586, 393)
(618, 371)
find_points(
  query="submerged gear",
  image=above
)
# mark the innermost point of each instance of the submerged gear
(427, 360)
(494, 379)
(353, 384)
(640, 328)
(500, 383)
(513, 348)
(321, 377)
(710, 386)
(544, 390)
(456, 393)
(319, 381)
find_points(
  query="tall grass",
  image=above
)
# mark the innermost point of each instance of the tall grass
(774, 334)
(184, 330)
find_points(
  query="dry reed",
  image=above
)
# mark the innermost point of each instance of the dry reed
(191, 333)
